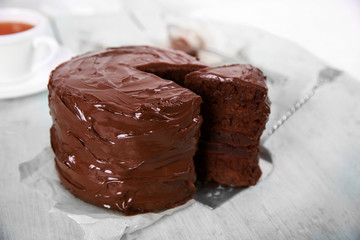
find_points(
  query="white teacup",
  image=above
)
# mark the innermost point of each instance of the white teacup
(25, 52)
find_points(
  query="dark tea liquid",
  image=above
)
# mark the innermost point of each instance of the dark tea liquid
(13, 27)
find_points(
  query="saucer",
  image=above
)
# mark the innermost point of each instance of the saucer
(37, 81)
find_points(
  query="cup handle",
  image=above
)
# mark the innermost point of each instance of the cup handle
(51, 49)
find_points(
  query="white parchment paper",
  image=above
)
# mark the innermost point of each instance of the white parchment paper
(97, 223)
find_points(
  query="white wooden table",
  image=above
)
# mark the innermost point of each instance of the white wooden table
(313, 194)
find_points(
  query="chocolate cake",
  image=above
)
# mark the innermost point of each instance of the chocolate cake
(235, 110)
(125, 139)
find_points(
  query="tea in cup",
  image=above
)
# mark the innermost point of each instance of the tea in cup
(25, 44)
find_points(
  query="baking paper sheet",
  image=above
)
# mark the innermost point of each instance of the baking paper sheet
(97, 223)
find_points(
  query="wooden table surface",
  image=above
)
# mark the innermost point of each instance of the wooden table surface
(313, 192)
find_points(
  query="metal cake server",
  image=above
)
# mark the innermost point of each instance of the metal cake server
(212, 194)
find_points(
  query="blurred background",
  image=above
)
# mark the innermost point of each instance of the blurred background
(330, 29)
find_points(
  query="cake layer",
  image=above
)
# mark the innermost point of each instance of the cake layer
(227, 169)
(247, 127)
(123, 139)
(168, 64)
(244, 122)
(234, 107)
(221, 148)
(229, 137)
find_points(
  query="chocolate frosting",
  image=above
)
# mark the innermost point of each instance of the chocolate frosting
(145, 56)
(123, 139)
(165, 63)
(236, 73)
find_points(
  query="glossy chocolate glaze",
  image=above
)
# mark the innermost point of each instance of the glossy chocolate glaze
(165, 63)
(236, 73)
(123, 139)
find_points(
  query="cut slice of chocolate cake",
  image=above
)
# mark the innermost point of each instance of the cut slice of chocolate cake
(235, 110)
